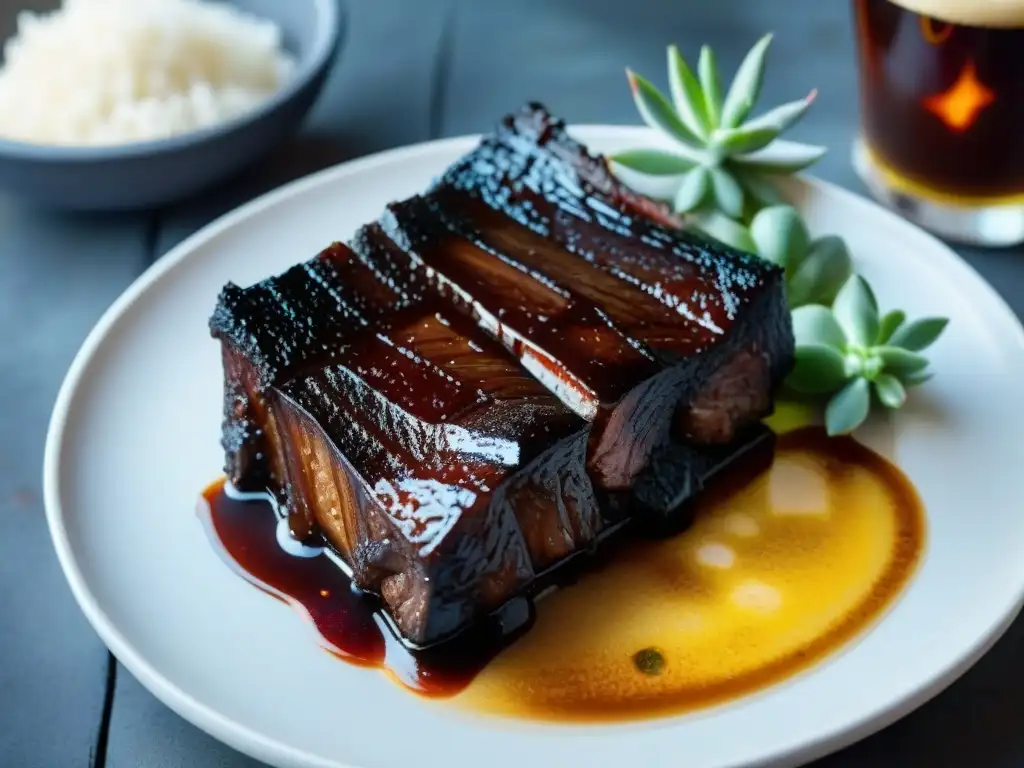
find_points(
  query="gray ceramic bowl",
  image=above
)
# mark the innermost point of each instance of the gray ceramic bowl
(152, 173)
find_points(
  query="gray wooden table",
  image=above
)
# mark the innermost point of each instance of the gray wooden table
(412, 70)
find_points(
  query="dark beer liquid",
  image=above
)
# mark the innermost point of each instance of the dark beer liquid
(942, 104)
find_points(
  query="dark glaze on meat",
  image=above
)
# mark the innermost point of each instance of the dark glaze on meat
(439, 470)
(629, 321)
(441, 473)
(349, 622)
(434, 399)
(272, 330)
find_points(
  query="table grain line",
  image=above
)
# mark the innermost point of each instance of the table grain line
(441, 75)
(99, 750)
(150, 242)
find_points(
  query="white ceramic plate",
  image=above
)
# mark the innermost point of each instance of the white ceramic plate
(134, 438)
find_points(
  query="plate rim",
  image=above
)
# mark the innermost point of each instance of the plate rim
(253, 743)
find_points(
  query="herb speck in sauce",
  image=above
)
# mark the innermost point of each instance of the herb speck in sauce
(649, 661)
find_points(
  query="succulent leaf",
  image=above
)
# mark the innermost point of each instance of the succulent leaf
(818, 278)
(787, 158)
(779, 234)
(916, 379)
(728, 192)
(709, 131)
(818, 369)
(890, 391)
(740, 141)
(848, 408)
(657, 112)
(783, 117)
(888, 325)
(871, 296)
(687, 95)
(693, 190)
(720, 227)
(815, 324)
(757, 186)
(662, 188)
(919, 334)
(857, 312)
(746, 85)
(653, 162)
(899, 361)
(711, 85)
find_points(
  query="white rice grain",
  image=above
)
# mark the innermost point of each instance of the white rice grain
(116, 71)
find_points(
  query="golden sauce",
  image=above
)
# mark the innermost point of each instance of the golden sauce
(772, 577)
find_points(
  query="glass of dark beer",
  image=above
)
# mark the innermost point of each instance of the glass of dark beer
(942, 114)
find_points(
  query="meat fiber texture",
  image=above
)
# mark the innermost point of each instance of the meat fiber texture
(436, 400)
(439, 470)
(642, 329)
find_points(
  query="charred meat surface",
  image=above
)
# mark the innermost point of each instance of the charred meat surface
(436, 467)
(495, 377)
(269, 331)
(662, 499)
(642, 329)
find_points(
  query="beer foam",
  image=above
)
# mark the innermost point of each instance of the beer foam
(975, 13)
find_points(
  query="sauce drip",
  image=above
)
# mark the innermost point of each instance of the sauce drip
(349, 623)
(777, 572)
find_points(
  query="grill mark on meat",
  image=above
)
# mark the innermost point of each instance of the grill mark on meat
(552, 320)
(423, 419)
(703, 302)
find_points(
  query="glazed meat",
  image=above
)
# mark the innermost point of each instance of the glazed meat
(642, 329)
(445, 477)
(300, 320)
(495, 378)
(440, 472)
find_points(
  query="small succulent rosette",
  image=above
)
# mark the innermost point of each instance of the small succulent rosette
(717, 164)
(719, 170)
(852, 353)
(816, 269)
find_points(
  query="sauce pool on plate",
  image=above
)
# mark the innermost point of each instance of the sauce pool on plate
(777, 572)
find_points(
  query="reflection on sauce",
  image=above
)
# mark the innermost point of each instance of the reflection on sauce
(775, 574)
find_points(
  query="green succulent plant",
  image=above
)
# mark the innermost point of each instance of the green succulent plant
(719, 162)
(853, 354)
(816, 269)
(721, 170)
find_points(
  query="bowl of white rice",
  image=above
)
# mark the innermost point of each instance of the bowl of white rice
(129, 104)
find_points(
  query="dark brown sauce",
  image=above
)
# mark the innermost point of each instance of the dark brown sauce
(349, 623)
(351, 626)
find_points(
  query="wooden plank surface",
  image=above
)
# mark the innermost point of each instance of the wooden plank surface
(57, 275)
